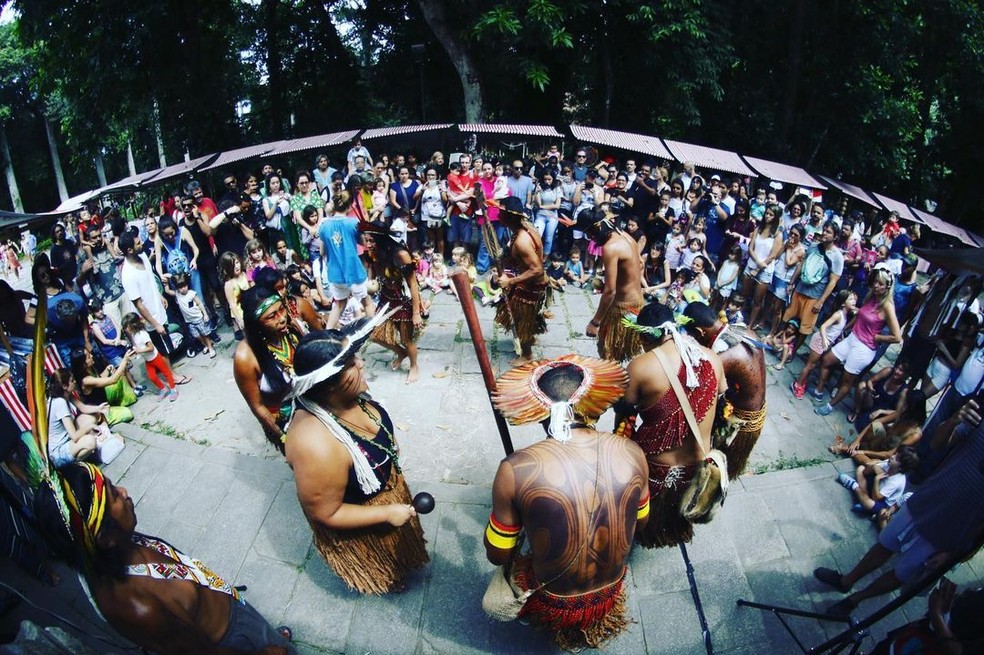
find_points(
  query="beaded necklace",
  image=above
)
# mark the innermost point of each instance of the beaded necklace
(283, 352)
(393, 451)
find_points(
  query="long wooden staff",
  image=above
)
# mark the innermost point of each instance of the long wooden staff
(463, 286)
(493, 247)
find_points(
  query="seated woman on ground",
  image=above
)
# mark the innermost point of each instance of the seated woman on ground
(783, 343)
(101, 388)
(882, 439)
(72, 436)
(882, 396)
(953, 347)
(879, 486)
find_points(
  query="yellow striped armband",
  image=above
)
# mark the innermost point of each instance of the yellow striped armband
(500, 535)
(643, 509)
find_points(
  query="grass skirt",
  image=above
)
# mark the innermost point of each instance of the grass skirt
(588, 619)
(388, 333)
(615, 341)
(666, 526)
(740, 448)
(375, 560)
(525, 304)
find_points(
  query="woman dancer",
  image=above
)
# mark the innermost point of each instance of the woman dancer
(393, 267)
(342, 448)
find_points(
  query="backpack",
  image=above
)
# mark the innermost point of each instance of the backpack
(177, 261)
(815, 267)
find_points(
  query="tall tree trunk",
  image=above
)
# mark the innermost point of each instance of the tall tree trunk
(157, 134)
(793, 73)
(8, 169)
(55, 159)
(274, 65)
(608, 74)
(100, 169)
(132, 165)
(449, 37)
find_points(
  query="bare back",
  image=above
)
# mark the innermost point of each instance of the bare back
(621, 256)
(555, 494)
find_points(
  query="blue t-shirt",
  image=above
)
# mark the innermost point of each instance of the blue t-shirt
(340, 239)
(714, 226)
(521, 187)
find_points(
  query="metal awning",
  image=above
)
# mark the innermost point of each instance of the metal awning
(524, 130)
(379, 132)
(241, 154)
(711, 158)
(75, 203)
(784, 173)
(893, 205)
(311, 142)
(177, 170)
(849, 189)
(647, 145)
(937, 224)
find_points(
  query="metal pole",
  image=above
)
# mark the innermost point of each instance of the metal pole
(704, 630)
(463, 286)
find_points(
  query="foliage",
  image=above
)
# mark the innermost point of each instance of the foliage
(884, 94)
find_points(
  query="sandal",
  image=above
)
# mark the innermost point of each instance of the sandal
(778, 367)
(184, 380)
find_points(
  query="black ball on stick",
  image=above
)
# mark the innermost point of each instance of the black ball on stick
(423, 503)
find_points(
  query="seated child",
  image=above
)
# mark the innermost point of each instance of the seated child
(555, 272)
(879, 487)
(783, 343)
(574, 269)
(732, 311)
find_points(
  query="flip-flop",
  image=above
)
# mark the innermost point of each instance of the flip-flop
(286, 632)
(184, 380)
(830, 578)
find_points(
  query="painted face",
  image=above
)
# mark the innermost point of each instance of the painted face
(274, 319)
(352, 381)
(119, 506)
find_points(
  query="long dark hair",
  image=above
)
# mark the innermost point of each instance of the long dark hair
(250, 300)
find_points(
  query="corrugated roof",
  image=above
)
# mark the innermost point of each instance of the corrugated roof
(939, 225)
(712, 158)
(893, 205)
(648, 145)
(524, 130)
(176, 170)
(311, 142)
(75, 202)
(784, 172)
(378, 132)
(241, 154)
(849, 189)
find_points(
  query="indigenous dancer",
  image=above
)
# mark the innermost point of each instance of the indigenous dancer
(393, 267)
(623, 286)
(580, 535)
(343, 450)
(523, 280)
(263, 364)
(744, 370)
(671, 449)
(148, 591)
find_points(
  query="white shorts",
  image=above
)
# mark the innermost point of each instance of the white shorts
(341, 292)
(939, 373)
(853, 354)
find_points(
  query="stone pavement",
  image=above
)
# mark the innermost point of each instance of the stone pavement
(203, 477)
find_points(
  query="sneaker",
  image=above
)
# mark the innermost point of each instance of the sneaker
(140, 387)
(172, 395)
(162, 394)
(847, 482)
(210, 352)
(191, 352)
(238, 334)
(798, 390)
(817, 394)
(215, 337)
(857, 508)
(823, 410)
(138, 392)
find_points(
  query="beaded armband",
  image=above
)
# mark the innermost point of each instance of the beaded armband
(500, 535)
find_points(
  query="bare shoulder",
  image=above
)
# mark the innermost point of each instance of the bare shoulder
(244, 356)
(309, 443)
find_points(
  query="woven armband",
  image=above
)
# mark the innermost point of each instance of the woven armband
(502, 536)
(643, 510)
